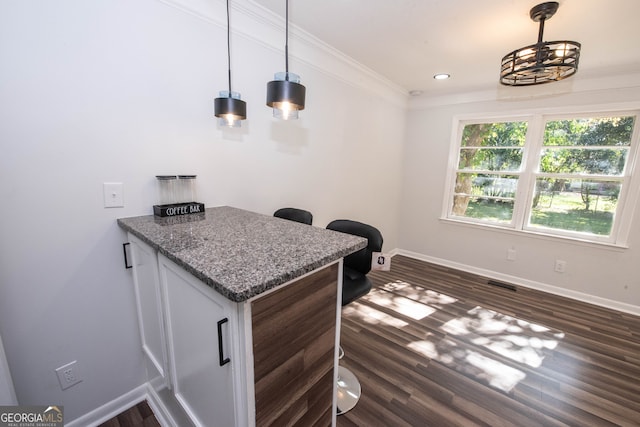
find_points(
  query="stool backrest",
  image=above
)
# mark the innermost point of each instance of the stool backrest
(360, 260)
(294, 214)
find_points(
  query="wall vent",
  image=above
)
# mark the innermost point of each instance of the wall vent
(502, 285)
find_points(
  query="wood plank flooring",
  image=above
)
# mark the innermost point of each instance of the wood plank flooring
(433, 346)
(139, 415)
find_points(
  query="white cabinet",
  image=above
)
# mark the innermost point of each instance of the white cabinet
(269, 360)
(190, 339)
(149, 303)
(201, 338)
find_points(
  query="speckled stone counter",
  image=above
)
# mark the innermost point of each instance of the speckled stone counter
(240, 253)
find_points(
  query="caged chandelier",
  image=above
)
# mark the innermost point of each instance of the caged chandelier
(542, 62)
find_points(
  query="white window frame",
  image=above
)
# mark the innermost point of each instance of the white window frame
(630, 179)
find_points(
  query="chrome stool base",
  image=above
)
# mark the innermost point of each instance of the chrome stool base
(348, 390)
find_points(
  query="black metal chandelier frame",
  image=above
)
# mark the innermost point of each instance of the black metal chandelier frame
(542, 62)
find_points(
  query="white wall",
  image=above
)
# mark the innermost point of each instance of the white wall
(118, 90)
(7, 393)
(595, 273)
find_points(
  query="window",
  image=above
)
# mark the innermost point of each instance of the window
(565, 176)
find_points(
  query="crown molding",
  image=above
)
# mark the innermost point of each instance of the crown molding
(263, 27)
(596, 83)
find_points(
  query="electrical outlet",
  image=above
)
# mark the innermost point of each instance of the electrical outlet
(511, 254)
(561, 266)
(68, 375)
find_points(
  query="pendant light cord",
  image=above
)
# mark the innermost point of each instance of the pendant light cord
(229, 48)
(286, 42)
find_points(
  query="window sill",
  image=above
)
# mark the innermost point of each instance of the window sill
(537, 235)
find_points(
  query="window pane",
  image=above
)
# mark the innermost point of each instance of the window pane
(584, 161)
(483, 196)
(607, 131)
(491, 159)
(508, 134)
(488, 209)
(488, 147)
(586, 206)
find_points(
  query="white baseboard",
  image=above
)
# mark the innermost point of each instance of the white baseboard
(164, 418)
(579, 296)
(121, 404)
(111, 409)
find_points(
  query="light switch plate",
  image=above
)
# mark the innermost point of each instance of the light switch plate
(113, 195)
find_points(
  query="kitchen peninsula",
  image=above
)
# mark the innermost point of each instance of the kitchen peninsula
(239, 316)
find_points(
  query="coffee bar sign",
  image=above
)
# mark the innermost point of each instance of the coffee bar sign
(178, 209)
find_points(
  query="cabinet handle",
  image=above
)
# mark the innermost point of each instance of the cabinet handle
(223, 361)
(126, 261)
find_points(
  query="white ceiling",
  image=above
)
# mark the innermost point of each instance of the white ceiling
(408, 41)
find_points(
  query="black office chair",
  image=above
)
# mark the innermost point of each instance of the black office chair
(294, 214)
(355, 284)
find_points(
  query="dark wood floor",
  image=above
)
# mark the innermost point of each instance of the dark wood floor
(433, 346)
(436, 347)
(137, 416)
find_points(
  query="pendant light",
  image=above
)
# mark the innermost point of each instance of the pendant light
(229, 108)
(542, 62)
(285, 94)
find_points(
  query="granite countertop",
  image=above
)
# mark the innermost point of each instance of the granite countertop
(240, 253)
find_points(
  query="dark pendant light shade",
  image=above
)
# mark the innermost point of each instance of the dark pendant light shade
(229, 108)
(285, 94)
(542, 62)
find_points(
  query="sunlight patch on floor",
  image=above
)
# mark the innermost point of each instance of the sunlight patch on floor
(516, 339)
(497, 374)
(418, 293)
(496, 336)
(469, 362)
(399, 304)
(371, 315)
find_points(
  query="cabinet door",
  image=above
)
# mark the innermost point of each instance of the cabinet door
(199, 325)
(149, 303)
